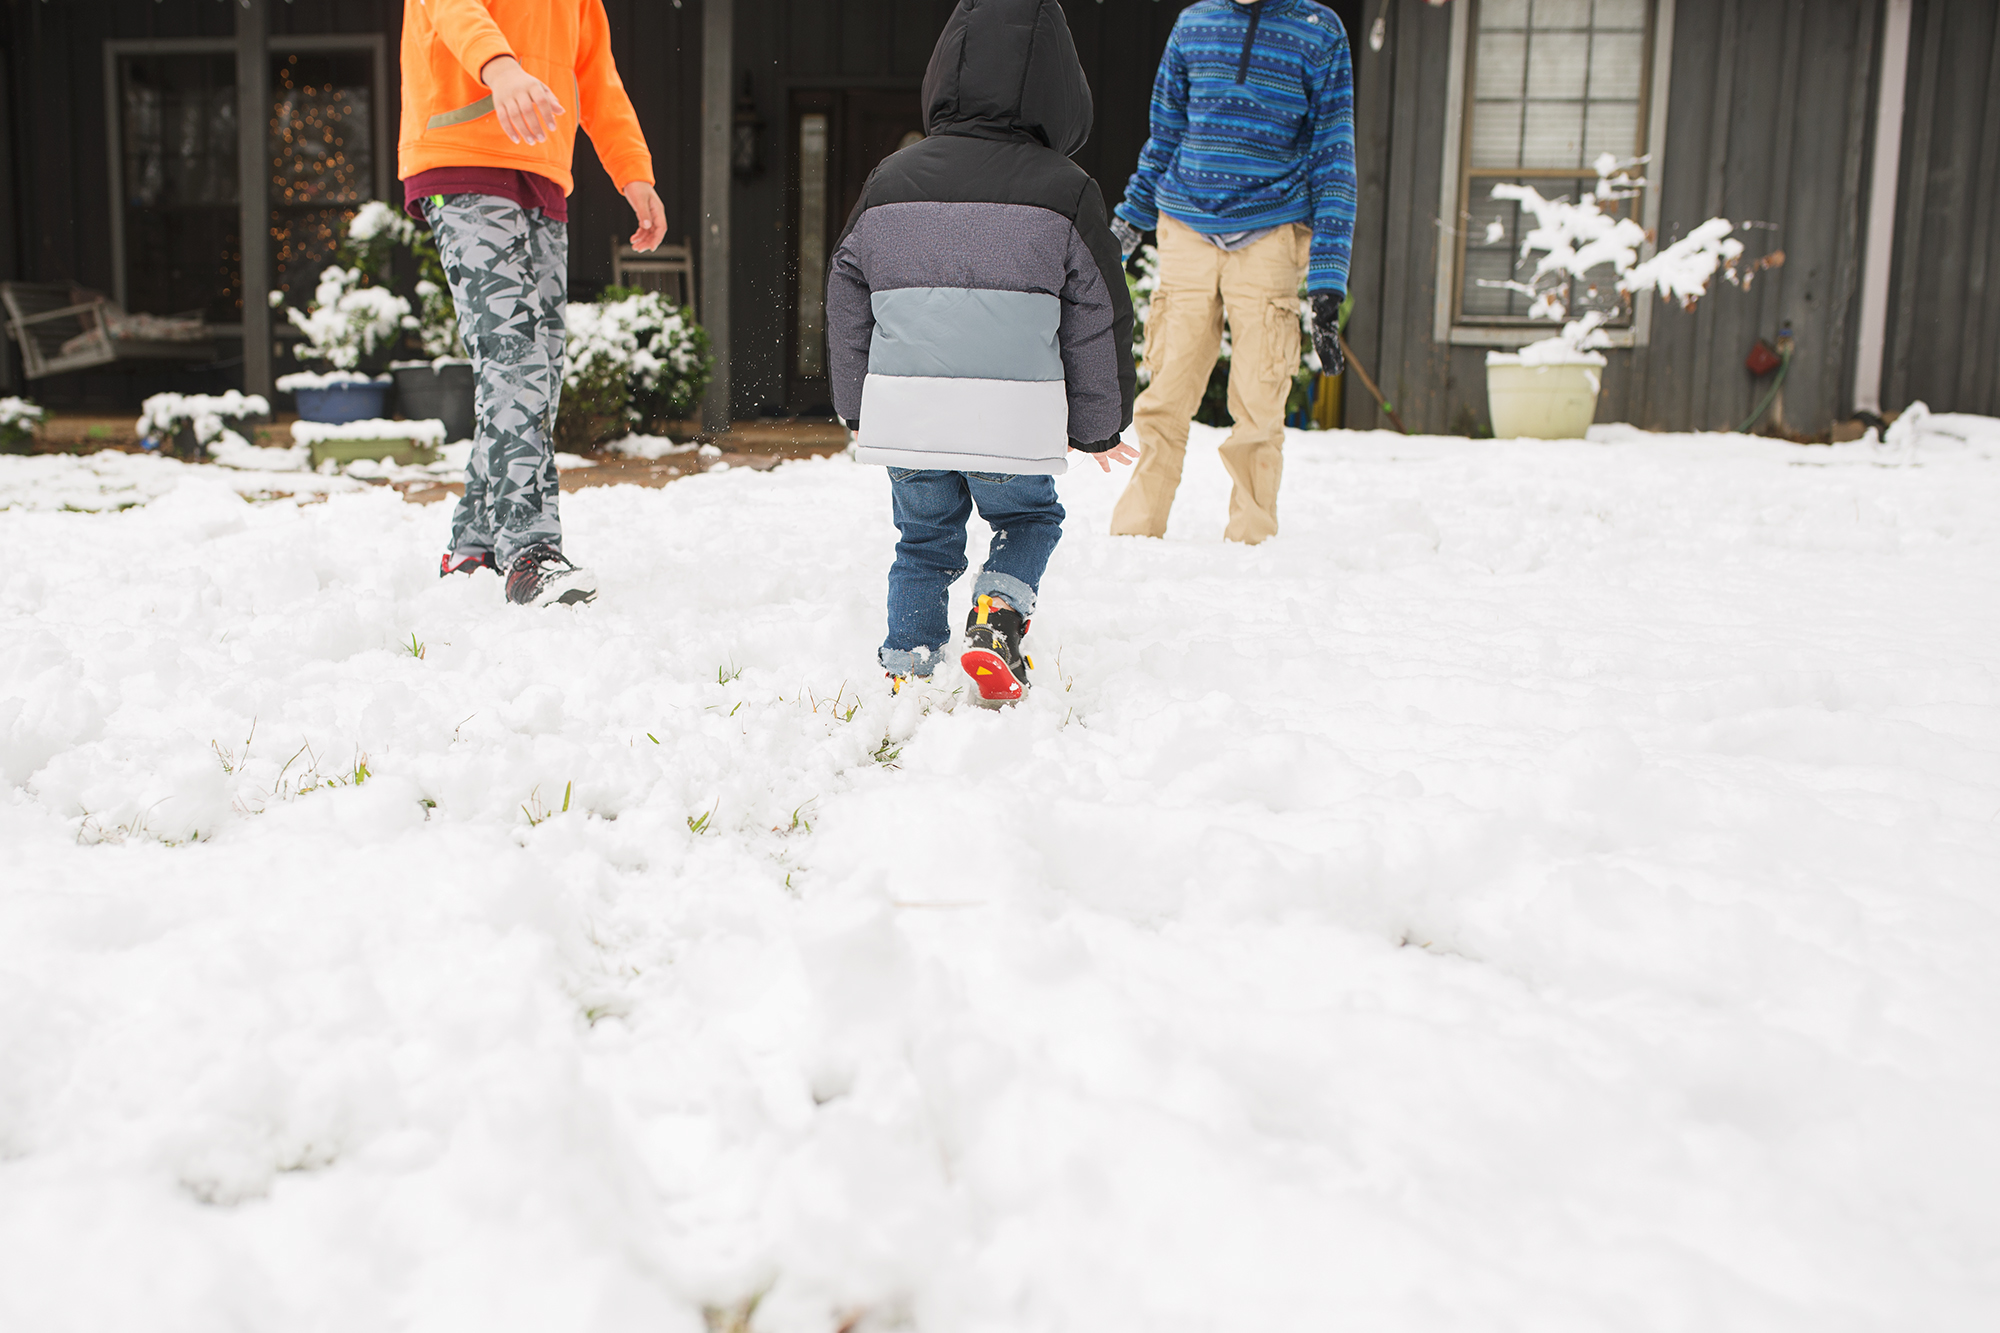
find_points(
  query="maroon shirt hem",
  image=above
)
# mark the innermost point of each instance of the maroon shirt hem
(523, 187)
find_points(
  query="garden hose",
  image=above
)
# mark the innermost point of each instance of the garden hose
(1777, 382)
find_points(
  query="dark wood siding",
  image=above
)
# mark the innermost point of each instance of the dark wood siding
(1766, 126)
(1944, 305)
(788, 44)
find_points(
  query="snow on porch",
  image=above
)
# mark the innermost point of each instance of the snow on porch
(1551, 886)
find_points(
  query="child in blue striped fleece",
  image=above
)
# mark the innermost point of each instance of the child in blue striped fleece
(1249, 180)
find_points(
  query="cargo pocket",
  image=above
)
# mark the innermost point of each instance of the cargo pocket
(1283, 339)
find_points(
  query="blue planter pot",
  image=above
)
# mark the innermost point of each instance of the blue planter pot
(343, 402)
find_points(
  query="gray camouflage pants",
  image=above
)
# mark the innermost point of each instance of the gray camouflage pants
(509, 273)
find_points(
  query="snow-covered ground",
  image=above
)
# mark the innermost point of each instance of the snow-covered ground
(1551, 887)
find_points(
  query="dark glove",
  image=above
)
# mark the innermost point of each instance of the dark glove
(1326, 331)
(1127, 234)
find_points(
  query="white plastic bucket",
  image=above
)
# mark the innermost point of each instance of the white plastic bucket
(1541, 402)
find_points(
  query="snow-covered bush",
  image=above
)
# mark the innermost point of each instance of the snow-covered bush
(376, 235)
(164, 416)
(634, 360)
(18, 420)
(1580, 239)
(348, 321)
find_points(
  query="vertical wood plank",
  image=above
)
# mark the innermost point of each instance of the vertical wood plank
(1374, 101)
(1910, 221)
(1702, 398)
(1976, 346)
(1844, 301)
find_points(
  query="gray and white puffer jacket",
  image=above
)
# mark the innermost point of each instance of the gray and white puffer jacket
(977, 315)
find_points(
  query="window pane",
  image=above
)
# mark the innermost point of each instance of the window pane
(1502, 63)
(1491, 262)
(1558, 64)
(1620, 14)
(322, 160)
(1555, 84)
(177, 137)
(1560, 14)
(1552, 135)
(1496, 134)
(812, 245)
(1617, 64)
(1614, 129)
(180, 130)
(322, 147)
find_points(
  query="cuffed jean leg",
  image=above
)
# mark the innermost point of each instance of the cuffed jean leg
(930, 509)
(1027, 520)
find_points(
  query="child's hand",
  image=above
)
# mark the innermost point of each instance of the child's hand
(1119, 453)
(528, 111)
(652, 216)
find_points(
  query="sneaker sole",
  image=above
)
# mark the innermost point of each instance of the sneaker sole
(996, 684)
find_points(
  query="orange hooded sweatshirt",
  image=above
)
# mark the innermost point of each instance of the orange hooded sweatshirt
(448, 117)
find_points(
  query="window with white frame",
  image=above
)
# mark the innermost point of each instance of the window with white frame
(1545, 87)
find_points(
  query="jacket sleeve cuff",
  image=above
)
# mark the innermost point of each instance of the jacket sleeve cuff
(631, 172)
(1144, 221)
(483, 51)
(1101, 447)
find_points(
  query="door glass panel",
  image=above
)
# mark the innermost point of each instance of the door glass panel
(322, 160)
(813, 141)
(177, 136)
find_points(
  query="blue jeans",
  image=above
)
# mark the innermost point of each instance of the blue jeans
(931, 511)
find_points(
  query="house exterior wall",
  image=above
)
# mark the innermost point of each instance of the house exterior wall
(1768, 122)
(1944, 307)
(802, 44)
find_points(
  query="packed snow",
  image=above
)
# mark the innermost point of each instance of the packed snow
(1552, 886)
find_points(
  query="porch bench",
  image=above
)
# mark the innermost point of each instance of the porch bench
(61, 327)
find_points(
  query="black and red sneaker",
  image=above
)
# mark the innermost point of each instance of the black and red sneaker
(464, 564)
(543, 576)
(993, 656)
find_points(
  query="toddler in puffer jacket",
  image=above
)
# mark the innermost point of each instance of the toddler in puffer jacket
(979, 329)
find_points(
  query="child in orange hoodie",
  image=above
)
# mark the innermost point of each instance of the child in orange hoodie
(493, 92)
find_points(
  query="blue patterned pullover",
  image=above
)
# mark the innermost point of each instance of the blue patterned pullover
(1253, 127)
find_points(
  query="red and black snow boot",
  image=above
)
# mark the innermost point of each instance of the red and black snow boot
(542, 576)
(993, 656)
(464, 564)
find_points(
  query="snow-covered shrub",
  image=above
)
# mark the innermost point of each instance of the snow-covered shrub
(164, 416)
(1577, 240)
(634, 360)
(18, 420)
(348, 321)
(376, 235)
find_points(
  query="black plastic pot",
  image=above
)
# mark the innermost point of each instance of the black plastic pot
(441, 393)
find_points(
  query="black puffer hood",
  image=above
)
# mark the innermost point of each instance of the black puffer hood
(1006, 68)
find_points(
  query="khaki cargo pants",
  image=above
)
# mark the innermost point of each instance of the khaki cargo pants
(1258, 289)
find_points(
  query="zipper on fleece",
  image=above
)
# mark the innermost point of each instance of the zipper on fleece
(1249, 40)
